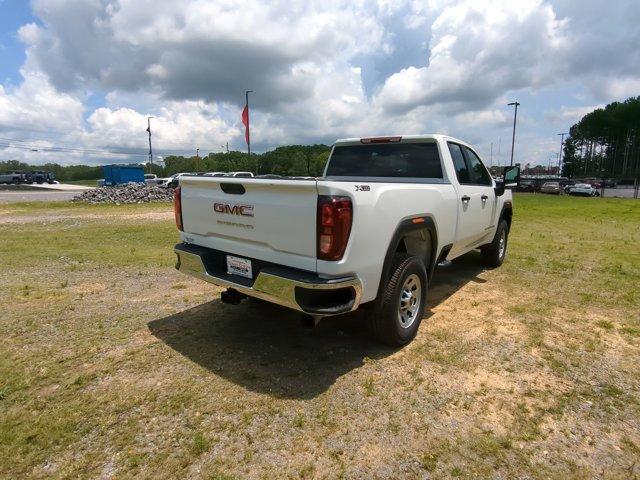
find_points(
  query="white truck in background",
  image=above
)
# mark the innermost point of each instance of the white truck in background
(369, 232)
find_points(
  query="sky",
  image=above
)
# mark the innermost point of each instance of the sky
(78, 78)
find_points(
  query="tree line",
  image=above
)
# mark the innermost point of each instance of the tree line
(293, 160)
(605, 143)
(63, 173)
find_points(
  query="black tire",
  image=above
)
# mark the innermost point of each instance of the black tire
(384, 319)
(492, 255)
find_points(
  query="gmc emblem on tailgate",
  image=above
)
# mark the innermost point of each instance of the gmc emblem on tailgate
(244, 210)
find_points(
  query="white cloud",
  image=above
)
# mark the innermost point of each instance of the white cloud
(479, 51)
(35, 104)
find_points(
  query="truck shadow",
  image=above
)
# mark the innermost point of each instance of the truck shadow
(265, 349)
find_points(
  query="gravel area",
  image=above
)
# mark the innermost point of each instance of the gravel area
(128, 193)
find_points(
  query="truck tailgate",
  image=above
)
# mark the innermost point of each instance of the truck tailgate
(271, 220)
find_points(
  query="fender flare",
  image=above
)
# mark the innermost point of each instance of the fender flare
(507, 206)
(422, 222)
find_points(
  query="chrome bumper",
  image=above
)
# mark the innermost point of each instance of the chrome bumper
(275, 288)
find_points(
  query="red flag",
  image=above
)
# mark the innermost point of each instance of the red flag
(245, 121)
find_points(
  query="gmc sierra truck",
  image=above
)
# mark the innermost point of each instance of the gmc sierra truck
(369, 232)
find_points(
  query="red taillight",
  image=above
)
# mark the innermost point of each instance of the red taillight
(334, 226)
(177, 207)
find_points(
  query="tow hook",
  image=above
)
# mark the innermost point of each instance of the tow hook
(232, 296)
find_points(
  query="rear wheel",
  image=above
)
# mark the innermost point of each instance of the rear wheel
(494, 253)
(396, 319)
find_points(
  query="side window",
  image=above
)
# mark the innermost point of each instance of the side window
(459, 164)
(478, 172)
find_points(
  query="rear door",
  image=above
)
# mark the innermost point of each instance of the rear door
(477, 202)
(271, 220)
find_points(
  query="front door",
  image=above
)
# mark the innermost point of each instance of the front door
(477, 202)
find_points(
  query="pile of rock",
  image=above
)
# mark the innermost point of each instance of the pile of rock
(127, 193)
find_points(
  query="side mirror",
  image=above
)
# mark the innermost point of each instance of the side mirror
(511, 176)
(499, 189)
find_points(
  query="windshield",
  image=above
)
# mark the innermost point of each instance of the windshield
(405, 160)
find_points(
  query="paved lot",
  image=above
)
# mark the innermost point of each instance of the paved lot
(36, 196)
(619, 192)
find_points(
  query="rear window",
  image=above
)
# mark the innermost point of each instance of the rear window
(404, 160)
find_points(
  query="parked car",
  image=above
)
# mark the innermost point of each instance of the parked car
(551, 187)
(40, 176)
(152, 179)
(174, 179)
(369, 233)
(583, 189)
(526, 186)
(11, 178)
(567, 184)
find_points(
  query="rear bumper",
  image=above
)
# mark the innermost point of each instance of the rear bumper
(289, 287)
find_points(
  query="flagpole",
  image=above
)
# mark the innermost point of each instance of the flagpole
(246, 96)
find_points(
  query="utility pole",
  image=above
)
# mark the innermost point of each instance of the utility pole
(491, 156)
(513, 137)
(560, 154)
(226, 146)
(198, 159)
(150, 150)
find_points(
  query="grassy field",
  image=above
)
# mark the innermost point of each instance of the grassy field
(113, 365)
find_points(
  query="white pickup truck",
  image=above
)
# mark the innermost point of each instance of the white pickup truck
(370, 231)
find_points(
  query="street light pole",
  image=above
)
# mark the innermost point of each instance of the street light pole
(513, 137)
(561, 145)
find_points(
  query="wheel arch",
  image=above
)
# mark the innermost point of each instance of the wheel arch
(507, 213)
(404, 239)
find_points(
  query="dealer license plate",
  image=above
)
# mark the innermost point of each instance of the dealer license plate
(239, 266)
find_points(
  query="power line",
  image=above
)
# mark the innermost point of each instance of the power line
(61, 148)
(55, 149)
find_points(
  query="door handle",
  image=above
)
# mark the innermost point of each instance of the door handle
(466, 198)
(484, 197)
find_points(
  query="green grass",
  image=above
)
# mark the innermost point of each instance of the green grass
(113, 364)
(103, 241)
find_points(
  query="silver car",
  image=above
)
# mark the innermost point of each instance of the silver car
(551, 187)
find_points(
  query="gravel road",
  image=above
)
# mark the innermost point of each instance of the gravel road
(35, 196)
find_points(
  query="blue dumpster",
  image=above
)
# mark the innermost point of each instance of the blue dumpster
(117, 174)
